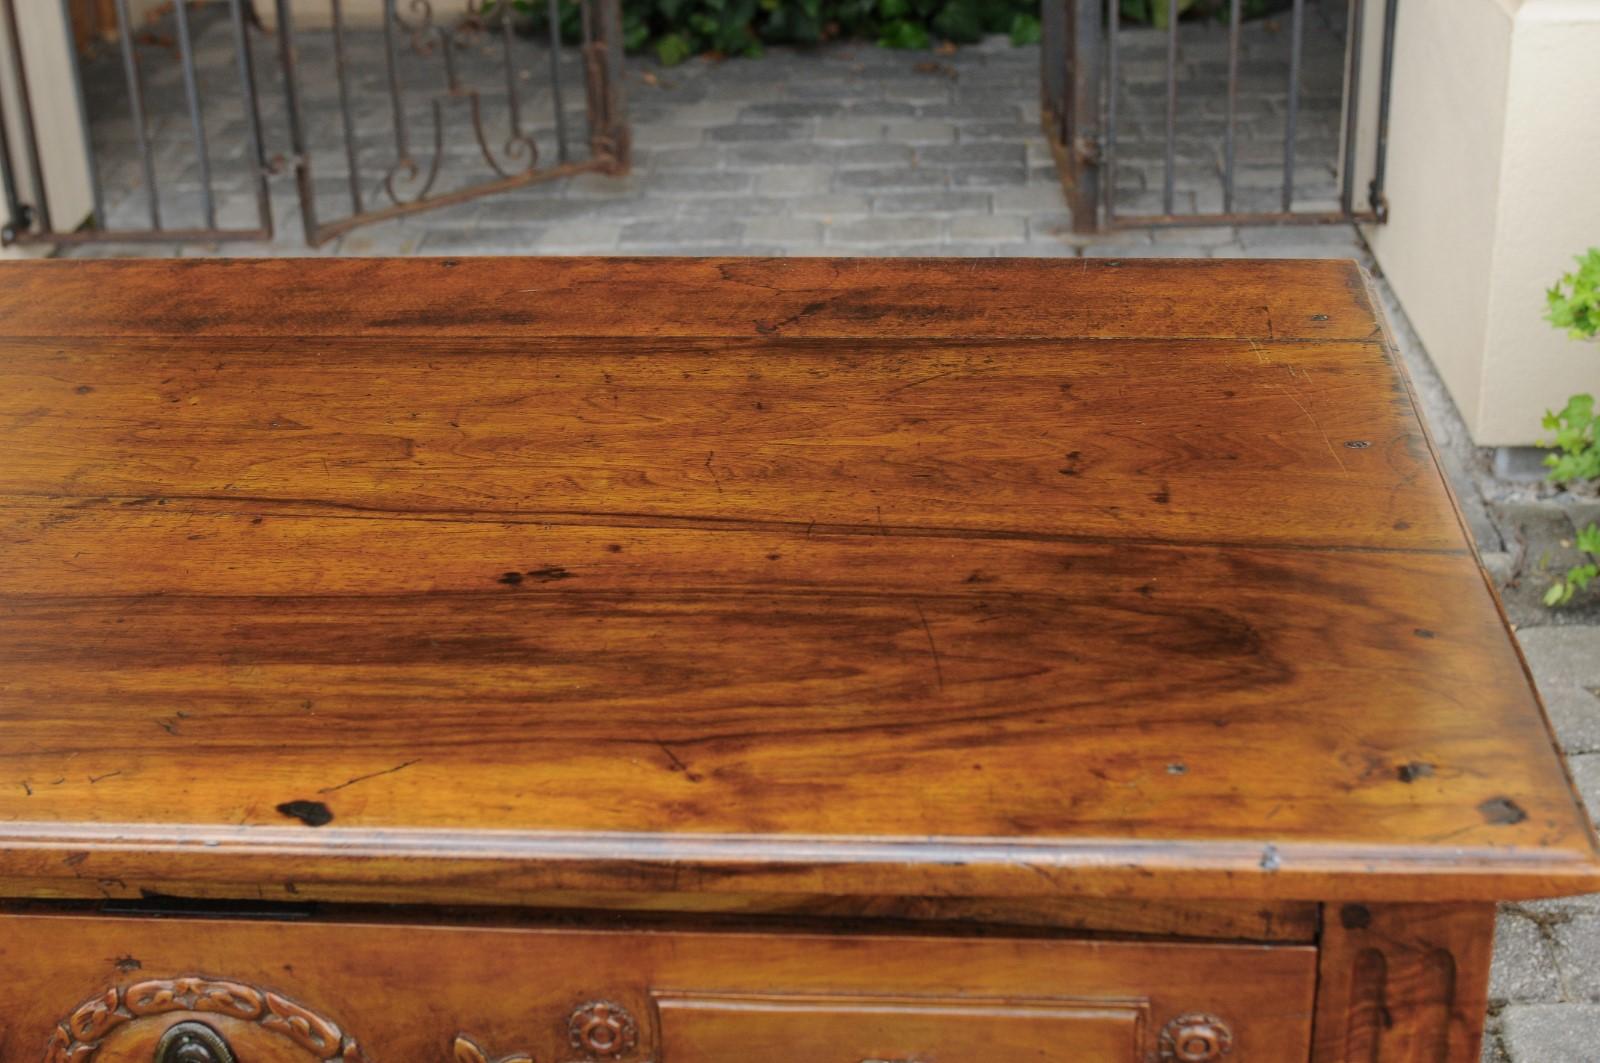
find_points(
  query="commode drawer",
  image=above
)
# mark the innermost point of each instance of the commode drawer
(90, 989)
(800, 1029)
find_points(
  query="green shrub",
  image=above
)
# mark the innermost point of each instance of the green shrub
(1576, 442)
(1576, 458)
(1575, 299)
(1574, 305)
(1578, 577)
(674, 30)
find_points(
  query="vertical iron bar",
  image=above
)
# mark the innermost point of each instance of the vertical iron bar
(402, 140)
(1086, 37)
(1297, 32)
(1230, 147)
(1053, 68)
(447, 53)
(1380, 164)
(1109, 152)
(1170, 182)
(16, 220)
(1347, 192)
(512, 96)
(297, 137)
(130, 70)
(252, 112)
(604, 68)
(343, 76)
(30, 135)
(588, 29)
(197, 120)
(555, 79)
(96, 194)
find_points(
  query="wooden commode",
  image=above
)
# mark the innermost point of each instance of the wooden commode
(717, 661)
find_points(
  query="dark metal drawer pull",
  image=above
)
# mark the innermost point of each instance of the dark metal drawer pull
(193, 1042)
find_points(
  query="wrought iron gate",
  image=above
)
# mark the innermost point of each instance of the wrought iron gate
(410, 98)
(1086, 92)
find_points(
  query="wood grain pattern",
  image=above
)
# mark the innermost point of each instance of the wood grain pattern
(827, 1029)
(1285, 443)
(1403, 983)
(365, 581)
(663, 297)
(405, 993)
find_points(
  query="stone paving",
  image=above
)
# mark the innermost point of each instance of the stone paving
(1545, 987)
(842, 149)
(853, 150)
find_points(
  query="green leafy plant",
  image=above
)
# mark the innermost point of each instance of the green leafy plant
(1158, 13)
(1578, 577)
(1576, 442)
(1574, 305)
(676, 30)
(1575, 299)
(1025, 29)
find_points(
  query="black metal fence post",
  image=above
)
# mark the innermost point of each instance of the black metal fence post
(1087, 142)
(1072, 75)
(610, 136)
(1083, 100)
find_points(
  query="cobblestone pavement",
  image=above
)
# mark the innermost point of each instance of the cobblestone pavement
(853, 150)
(843, 149)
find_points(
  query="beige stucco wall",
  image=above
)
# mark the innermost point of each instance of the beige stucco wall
(1549, 211)
(46, 45)
(1493, 186)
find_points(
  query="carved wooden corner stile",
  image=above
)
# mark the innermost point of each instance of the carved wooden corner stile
(1403, 983)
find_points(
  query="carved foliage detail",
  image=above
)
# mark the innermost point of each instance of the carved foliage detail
(468, 1051)
(79, 1036)
(96, 1018)
(305, 1028)
(192, 994)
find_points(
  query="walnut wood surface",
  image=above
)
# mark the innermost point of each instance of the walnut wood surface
(1403, 983)
(404, 994)
(473, 580)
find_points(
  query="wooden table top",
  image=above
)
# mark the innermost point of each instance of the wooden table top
(343, 578)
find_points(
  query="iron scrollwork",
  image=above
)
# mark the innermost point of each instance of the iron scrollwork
(414, 29)
(428, 37)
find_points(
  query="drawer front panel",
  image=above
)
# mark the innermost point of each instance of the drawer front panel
(848, 1030)
(88, 989)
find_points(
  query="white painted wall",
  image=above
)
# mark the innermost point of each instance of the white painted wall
(1494, 184)
(46, 48)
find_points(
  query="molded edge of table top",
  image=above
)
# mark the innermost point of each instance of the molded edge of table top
(110, 860)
